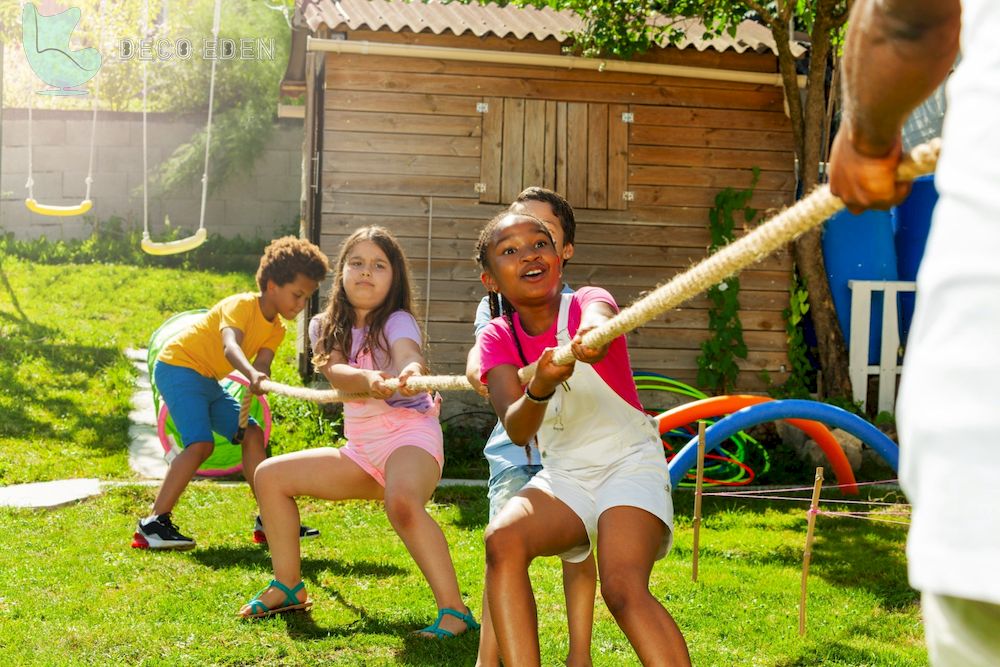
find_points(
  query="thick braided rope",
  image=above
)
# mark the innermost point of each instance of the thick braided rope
(423, 382)
(245, 408)
(785, 227)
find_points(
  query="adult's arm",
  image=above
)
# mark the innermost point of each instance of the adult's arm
(896, 53)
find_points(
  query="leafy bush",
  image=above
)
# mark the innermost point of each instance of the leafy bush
(717, 367)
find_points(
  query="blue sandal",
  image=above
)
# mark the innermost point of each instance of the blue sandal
(260, 610)
(439, 633)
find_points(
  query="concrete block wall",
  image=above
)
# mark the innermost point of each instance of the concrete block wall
(254, 203)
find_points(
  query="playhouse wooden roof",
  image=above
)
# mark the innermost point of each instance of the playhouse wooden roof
(504, 21)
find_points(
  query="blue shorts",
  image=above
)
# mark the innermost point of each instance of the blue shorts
(198, 405)
(505, 485)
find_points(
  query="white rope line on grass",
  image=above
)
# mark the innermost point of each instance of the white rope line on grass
(771, 235)
(865, 516)
(801, 499)
(787, 489)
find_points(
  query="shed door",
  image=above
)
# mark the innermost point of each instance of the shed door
(575, 148)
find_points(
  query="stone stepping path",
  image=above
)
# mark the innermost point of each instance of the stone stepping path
(145, 454)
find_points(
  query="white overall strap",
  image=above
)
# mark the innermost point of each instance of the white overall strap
(562, 323)
(590, 425)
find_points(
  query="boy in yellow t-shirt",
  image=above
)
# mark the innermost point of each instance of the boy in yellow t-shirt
(188, 370)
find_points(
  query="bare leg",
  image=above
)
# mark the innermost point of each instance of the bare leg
(531, 524)
(580, 587)
(253, 453)
(629, 540)
(320, 473)
(179, 474)
(411, 475)
(489, 651)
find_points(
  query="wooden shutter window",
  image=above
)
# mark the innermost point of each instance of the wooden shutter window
(575, 148)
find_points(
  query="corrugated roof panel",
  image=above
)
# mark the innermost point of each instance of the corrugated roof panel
(503, 21)
(456, 17)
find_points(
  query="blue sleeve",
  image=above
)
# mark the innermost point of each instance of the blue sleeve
(482, 316)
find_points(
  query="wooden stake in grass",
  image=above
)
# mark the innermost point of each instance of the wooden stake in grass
(699, 480)
(807, 554)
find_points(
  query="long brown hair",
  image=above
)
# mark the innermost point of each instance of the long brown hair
(338, 318)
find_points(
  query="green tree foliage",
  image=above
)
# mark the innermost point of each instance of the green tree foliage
(246, 90)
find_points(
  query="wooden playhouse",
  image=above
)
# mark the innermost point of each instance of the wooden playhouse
(429, 118)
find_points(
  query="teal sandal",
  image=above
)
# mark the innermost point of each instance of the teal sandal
(439, 633)
(260, 610)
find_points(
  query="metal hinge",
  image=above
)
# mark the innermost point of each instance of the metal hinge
(480, 188)
(628, 195)
(628, 117)
(315, 173)
(482, 107)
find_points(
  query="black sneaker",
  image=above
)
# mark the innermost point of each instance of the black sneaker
(305, 532)
(159, 532)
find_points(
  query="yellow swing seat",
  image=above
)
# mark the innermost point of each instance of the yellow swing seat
(60, 211)
(174, 247)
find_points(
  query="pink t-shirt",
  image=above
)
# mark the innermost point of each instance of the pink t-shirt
(497, 347)
(400, 324)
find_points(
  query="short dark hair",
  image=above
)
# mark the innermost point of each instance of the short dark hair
(288, 257)
(559, 205)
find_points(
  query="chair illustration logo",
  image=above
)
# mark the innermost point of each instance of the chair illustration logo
(46, 45)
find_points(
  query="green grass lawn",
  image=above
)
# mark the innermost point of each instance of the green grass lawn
(74, 593)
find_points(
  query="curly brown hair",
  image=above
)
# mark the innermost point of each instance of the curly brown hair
(338, 318)
(288, 257)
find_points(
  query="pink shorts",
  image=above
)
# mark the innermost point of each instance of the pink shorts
(372, 440)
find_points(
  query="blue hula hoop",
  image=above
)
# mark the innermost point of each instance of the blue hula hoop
(828, 414)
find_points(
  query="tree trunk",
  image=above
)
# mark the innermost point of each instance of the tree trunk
(807, 251)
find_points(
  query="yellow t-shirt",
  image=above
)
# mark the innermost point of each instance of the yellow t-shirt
(200, 347)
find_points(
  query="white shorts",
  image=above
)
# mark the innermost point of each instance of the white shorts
(640, 479)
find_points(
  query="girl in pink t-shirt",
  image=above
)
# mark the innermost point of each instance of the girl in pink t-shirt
(394, 448)
(604, 479)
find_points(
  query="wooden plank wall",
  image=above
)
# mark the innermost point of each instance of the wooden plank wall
(403, 135)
